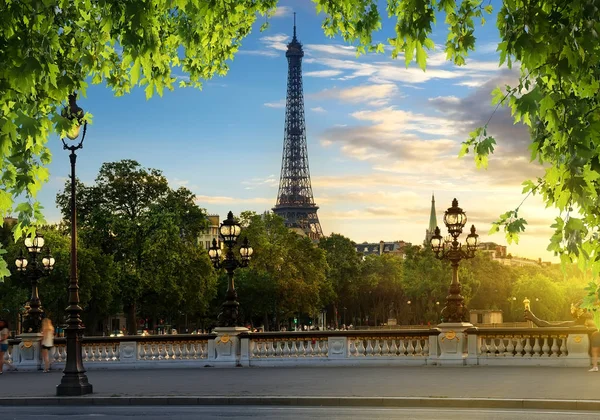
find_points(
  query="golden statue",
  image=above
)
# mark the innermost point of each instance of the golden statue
(526, 303)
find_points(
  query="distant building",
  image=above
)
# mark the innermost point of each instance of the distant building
(498, 253)
(395, 248)
(429, 232)
(495, 250)
(485, 316)
(212, 232)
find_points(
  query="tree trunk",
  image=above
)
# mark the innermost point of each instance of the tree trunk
(266, 322)
(129, 310)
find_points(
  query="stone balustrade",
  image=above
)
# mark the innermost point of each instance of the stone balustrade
(484, 346)
(529, 346)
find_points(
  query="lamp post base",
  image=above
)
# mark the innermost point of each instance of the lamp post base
(74, 385)
(453, 343)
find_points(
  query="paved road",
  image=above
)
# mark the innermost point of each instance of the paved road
(280, 413)
(424, 381)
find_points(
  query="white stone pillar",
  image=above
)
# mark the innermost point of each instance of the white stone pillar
(28, 354)
(128, 352)
(228, 346)
(472, 347)
(245, 352)
(578, 350)
(338, 347)
(434, 352)
(453, 343)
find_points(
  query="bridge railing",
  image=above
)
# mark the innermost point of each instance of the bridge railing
(480, 346)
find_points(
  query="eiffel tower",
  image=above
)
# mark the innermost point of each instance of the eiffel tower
(295, 202)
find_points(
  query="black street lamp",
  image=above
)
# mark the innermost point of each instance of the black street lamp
(230, 231)
(34, 271)
(74, 380)
(452, 250)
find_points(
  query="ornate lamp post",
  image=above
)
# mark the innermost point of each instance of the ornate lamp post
(230, 231)
(34, 271)
(455, 220)
(74, 380)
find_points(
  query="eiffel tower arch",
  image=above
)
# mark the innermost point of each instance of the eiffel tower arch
(295, 202)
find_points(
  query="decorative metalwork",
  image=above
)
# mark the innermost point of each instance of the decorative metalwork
(230, 231)
(295, 202)
(74, 381)
(452, 250)
(34, 271)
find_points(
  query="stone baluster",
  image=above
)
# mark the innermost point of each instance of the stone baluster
(419, 348)
(178, 350)
(286, 350)
(325, 347)
(484, 350)
(410, 349)
(394, 348)
(361, 350)
(527, 347)
(402, 348)
(105, 353)
(262, 349)
(554, 349)
(352, 351)
(369, 347)
(519, 347)
(537, 348)
(510, 348)
(301, 349)
(546, 348)
(501, 347)
(426, 346)
(563, 346)
(385, 348)
(309, 347)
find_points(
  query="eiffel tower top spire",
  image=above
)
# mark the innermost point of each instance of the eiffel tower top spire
(295, 202)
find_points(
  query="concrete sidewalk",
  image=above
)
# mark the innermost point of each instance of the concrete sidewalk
(570, 388)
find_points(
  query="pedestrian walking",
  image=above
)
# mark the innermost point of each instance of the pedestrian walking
(4, 333)
(47, 342)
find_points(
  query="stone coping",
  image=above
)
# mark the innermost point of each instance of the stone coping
(417, 402)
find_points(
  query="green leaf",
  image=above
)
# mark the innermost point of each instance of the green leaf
(421, 56)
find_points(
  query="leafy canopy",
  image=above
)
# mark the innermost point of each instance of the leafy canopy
(51, 48)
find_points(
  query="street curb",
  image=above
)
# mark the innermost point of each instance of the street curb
(388, 402)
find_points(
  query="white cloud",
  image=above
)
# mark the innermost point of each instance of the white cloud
(271, 44)
(318, 109)
(282, 11)
(212, 199)
(278, 104)
(332, 49)
(265, 53)
(269, 181)
(376, 94)
(322, 73)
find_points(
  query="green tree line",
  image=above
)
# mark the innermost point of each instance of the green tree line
(139, 255)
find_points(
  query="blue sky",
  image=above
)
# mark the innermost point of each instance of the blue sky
(381, 138)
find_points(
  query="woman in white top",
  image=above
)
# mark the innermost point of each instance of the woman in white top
(4, 333)
(47, 342)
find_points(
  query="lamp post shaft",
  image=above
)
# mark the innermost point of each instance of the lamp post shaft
(229, 308)
(34, 315)
(455, 309)
(74, 380)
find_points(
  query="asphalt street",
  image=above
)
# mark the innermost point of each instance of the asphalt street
(424, 381)
(283, 413)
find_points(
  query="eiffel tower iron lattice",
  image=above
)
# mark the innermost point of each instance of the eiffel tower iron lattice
(295, 202)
